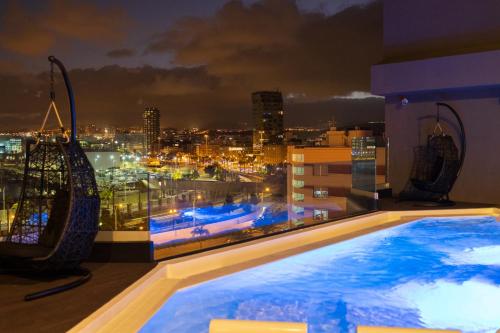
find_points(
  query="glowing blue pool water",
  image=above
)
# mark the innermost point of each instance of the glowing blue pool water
(433, 273)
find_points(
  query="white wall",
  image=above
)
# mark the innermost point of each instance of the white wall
(446, 51)
(408, 126)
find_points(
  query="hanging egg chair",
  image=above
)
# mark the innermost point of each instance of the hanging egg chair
(436, 165)
(58, 211)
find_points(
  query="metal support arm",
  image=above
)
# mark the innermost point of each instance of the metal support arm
(71, 97)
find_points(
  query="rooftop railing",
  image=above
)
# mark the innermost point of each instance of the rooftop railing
(191, 207)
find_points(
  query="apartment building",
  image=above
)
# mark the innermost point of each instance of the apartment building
(320, 179)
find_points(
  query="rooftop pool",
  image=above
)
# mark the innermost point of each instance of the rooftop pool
(433, 273)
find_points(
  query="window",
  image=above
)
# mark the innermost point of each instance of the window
(320, 192)
(320, 170)
(320, 214)
(297, 209)
(298, 183)
(342, 169)
(297, 196)
(299, 171)
(298, 157)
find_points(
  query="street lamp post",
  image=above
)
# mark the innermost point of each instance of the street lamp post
(113, 202)
(95, 161)
(4, 211)
(194, 205)
(267, 190)
(112, 158)
(194, 209)
(206, 144)
(149, 199)
(116, 218)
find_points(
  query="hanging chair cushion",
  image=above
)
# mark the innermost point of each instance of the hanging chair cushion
(428, 163)
(57, 219)
(19, 250)
(433, 165)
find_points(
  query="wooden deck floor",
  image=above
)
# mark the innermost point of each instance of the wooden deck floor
(60, 312)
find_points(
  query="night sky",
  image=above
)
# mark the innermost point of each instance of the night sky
(197, 60)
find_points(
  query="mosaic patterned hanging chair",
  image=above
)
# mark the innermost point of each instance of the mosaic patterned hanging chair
(58, 211)
(436, 165)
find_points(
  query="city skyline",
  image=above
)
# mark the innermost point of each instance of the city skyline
(249, 166)
(197, 75)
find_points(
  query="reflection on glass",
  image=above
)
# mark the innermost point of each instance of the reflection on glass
(219, 195)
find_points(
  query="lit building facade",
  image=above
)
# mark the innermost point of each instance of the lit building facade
(322, 180)
(151, 130)
(268, 115)
(10, 145)
(340, 138)
(273, 154)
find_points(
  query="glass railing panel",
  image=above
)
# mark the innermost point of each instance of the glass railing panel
(198, 205)
(207, 211)
(126, 199)
(364, 175)
(11, 178)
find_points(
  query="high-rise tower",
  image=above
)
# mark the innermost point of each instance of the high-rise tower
(151, 130)
(267, 119)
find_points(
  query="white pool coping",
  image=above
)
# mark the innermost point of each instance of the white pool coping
(133, 307)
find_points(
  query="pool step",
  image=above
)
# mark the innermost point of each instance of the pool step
(251, 326)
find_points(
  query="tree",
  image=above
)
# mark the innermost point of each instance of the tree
(193, 175)
(229, 199)
(210, 170)
(254, 200)
(200, 231)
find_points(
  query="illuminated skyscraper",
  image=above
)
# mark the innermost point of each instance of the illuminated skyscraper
(151, 130)
(267, 119)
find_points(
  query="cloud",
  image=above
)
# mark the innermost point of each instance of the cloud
(34, 33)
(182, 81)
(10, 67)
(121, 53)
(27, 38)
(218, 61)
(272, 44)
(115, 95)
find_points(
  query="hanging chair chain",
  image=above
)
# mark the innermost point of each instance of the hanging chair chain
(52, 105)
(438, 123)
